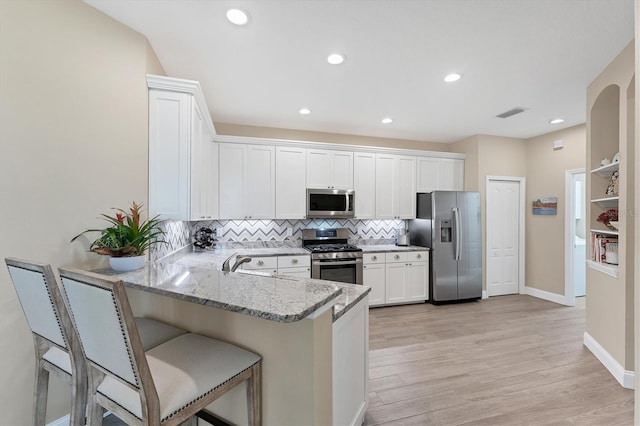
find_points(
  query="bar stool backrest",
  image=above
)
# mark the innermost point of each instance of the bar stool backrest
(36, 294)
(98, 317)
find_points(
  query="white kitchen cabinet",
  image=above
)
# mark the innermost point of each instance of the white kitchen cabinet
(351, 365)
(417, 277)
(247, 181)
(443, 174)
(364, 185)
(267, 264)
(329, 169)
(395, 187)
(396, 278)
(295, 266)
(291, 185)
(406, 277)
(373, 275)
(182, 155)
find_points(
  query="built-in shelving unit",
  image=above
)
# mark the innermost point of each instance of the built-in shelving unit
(610, 259)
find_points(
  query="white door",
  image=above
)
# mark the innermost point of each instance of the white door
(503, 236)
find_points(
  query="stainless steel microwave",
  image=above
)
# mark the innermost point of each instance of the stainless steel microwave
(327, 203)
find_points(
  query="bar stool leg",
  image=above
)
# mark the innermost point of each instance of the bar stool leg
(40, 391)
(79, 394)
(254, 397)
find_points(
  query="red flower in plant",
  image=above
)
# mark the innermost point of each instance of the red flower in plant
(120, 217)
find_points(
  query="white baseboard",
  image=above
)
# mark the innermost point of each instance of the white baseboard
(624, 377)
(547, 295)
(485, 295)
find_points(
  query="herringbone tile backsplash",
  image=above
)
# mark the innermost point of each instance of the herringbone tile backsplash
(265, 233)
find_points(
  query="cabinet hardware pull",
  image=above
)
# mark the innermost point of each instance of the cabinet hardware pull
(294, 261)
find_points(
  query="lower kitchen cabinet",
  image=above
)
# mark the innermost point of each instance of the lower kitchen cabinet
(396, 277)
(373, 275)
(293, 266)
(268, 264)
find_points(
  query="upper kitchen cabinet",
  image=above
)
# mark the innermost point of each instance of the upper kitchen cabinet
(247, 181)
(364, 184)
(291, 186)
(441, 174)
(183, 178)
(329, 169)
(395, 187)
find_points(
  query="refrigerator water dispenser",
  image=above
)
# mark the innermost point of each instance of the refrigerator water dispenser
(445, 231)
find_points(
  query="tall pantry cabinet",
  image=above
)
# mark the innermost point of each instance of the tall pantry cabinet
(610, 275)
(183, 158)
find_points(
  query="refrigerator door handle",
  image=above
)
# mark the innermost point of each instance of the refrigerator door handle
(456, 229)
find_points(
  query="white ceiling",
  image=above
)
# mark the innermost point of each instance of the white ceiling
(537, 54)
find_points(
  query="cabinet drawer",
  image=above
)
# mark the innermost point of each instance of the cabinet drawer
(294, 261)
(397, 256)
(418, 256)
(371, 258)
(302, 272)
(258, 263)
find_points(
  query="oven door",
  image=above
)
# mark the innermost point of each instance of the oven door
(341, 270)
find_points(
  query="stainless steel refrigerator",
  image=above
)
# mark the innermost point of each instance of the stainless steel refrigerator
(448, 223)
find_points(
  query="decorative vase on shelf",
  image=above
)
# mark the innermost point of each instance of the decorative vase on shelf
(128, 263)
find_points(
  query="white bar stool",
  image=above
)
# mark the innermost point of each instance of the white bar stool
(166, 385)
(56, 342)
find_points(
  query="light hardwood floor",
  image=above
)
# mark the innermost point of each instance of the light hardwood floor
(509, 360)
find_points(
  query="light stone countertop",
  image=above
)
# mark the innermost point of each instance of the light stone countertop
(185, 275)
(275, 298)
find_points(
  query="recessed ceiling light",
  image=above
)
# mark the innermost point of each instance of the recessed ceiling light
(335, 59)
(556, 121)
(387, 120)
(452, 77)
(237, 16)
(304, 111)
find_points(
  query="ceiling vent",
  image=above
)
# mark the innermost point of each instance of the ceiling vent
(511, 112)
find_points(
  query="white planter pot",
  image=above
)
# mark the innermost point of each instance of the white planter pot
(124, 264)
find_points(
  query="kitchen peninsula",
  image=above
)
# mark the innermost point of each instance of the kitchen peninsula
(303, 328)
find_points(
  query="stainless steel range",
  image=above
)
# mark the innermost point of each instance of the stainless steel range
(332, 257)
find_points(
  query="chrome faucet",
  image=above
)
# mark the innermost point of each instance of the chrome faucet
(239, 261)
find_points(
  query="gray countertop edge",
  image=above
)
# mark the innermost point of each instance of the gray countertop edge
(239, 309)
(337, 313)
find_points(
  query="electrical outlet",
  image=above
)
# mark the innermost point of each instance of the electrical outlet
(219, 232)
(289, 232)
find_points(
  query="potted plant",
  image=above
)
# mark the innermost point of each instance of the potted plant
(127, 238)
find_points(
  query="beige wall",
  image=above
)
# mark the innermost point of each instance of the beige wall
(545, 235)
(636, 141)
(303, 135)
(490, 156)
(73, 133)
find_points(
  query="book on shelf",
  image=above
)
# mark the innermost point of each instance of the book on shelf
(599, 247)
